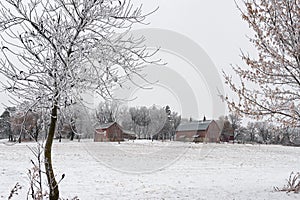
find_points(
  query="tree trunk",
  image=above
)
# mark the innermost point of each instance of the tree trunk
(54, 192)
(72, 135)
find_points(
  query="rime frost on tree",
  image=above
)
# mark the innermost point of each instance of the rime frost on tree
(53, 51)
(270, 83)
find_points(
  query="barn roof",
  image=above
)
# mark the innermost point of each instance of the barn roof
(194, 126)
(105, 126)
(128, 132)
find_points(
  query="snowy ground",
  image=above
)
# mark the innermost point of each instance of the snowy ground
(168, 170)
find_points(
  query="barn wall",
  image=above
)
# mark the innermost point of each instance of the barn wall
(213, 132)
(186, 136)
(202, 136)
(99, 136)
(115, 133)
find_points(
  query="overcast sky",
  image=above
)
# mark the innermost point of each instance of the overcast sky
(215, 26)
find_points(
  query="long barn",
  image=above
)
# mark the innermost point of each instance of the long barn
(198, 131)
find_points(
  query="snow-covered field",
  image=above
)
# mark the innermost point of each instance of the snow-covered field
(158, 170)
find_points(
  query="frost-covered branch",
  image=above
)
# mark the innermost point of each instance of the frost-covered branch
(270, 83)
(53, 51)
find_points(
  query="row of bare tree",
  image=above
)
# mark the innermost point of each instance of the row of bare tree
(17, 125)
(78, 122)
(256, 131)
(151, 122)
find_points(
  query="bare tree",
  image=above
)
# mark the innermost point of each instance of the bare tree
(53, 51)
(263, 131)
(158, 119)
(83, 122)
(5, 124)
(276, 70)
(251, 129)
(149, 122)
(235, 121)
(140, 120)
(107, 111)
(26, 125)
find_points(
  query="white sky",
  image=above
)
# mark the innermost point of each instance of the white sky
(214, 25)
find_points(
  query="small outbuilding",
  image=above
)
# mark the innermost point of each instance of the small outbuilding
(109, 132)
(129, 135)
(198, 131)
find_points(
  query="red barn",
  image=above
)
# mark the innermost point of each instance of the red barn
(198, 131)
(109, 132)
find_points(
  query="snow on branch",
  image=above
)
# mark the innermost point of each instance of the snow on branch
(53, 51)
